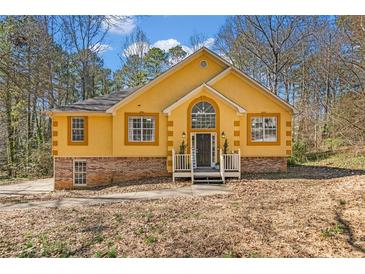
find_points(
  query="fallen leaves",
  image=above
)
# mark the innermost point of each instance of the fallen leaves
(266, 216)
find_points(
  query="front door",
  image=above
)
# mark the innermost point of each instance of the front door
(203, 150)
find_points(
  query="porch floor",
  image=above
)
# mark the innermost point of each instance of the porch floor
(205, 169)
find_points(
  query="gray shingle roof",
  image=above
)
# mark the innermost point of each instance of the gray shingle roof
(99, 103)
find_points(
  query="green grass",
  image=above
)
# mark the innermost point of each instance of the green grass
(6, 181)
(230, 254)
(98, 238)
(348, 160)
(150, 239)
(112, 253)
(333, 231)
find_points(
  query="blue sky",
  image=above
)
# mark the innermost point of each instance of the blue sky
(163, 31)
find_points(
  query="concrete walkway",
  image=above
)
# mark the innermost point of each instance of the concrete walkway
(190, 191)
(28, 187)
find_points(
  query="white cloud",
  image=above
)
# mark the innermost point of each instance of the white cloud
(171, 43)
(209, 42)
(100, 48)
(120, 24)
(142, 48)
(166, 44)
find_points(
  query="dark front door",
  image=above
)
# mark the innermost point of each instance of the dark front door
(203, 153)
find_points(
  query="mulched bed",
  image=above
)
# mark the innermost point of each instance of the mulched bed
(309, 212)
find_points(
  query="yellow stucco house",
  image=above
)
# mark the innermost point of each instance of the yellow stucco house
(202, 101)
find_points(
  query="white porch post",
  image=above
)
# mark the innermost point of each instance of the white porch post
(221, 165)
(239, 164)
(173, 165)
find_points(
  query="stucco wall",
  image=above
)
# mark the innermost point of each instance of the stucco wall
(106, 133)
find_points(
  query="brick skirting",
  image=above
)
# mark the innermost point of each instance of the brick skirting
(263, 164)
(108, 170)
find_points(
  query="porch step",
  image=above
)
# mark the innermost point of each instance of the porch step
(208, 180)
(207, 174)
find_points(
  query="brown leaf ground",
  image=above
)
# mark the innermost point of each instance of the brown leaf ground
(308, 212)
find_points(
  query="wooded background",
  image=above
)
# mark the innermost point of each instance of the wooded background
(316, 63)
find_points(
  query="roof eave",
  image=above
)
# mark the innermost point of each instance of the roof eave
(78, 112)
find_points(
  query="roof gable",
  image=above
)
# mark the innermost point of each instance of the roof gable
(111, 102)
(263, 89)
(195, 91)
(166, 74)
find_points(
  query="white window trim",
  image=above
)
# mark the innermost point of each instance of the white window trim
(193, 147)
(153, 129)
(263, 129)
(72, 129)
(73, 172)
(201, 115)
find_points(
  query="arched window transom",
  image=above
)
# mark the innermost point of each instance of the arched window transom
(203, 116)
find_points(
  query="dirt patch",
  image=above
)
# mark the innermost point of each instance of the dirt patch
(265, 217)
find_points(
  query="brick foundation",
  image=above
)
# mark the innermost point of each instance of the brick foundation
(108, 170)
(263, 164)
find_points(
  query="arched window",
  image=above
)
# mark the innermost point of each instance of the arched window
(203, 115)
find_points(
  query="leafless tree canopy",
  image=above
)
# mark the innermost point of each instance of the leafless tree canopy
(315, 63)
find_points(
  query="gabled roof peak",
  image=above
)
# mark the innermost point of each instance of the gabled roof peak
(191, 94)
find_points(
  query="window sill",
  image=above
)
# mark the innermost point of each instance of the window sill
(251, 143)
(84, 143)
(128, 143)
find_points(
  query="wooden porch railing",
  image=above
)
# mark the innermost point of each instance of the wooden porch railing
(230, 165)
(181, 165)
(231, 161)
(182, 162)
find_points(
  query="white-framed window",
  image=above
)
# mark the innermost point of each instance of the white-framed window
(141, 128)
(77, 129)
(79, 172)
(203, 116)
(264, 129)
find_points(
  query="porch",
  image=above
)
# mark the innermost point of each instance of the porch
(185, 166)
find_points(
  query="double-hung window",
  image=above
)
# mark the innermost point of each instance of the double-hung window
(264, 129)
(79, 172)
(142, 129)
(78, 130)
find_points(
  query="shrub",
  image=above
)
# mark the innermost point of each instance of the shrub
(333, 143)
(40, 162)
(299, 150)
(225, 146)
(182, 147)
